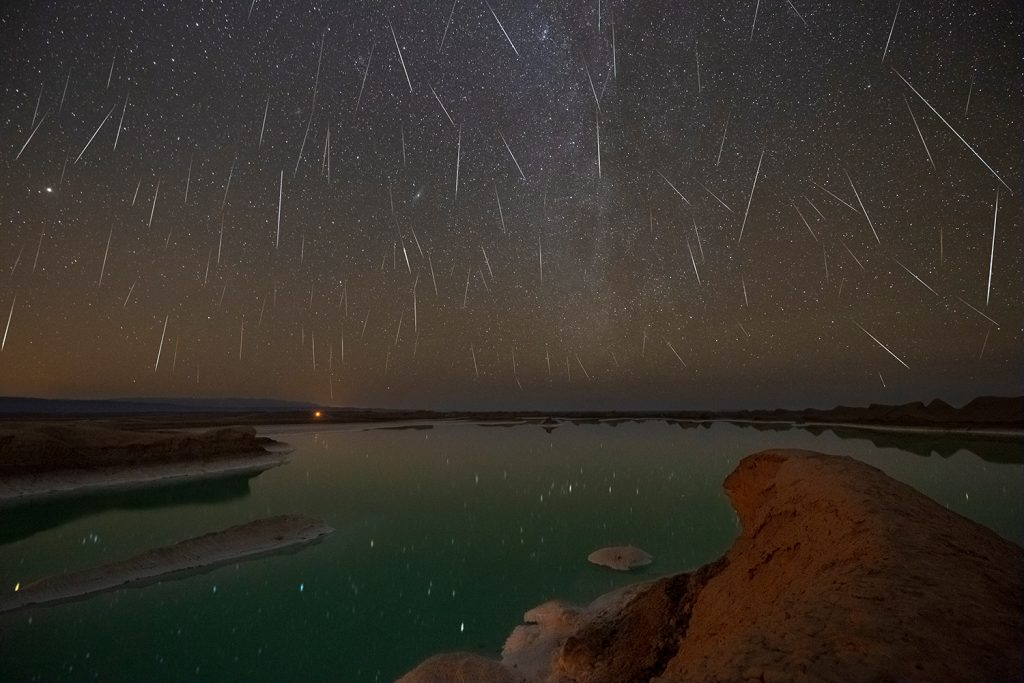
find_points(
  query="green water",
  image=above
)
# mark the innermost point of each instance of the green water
(444, 537)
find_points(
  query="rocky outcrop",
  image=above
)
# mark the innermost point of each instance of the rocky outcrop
(840, 573)
(464, 667)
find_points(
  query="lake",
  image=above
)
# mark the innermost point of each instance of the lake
(445, 534)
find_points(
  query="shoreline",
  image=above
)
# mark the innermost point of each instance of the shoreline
(256, 454)
(41, 460)
(243, 542)
(279, 428)
(999, 416)
(47, 486)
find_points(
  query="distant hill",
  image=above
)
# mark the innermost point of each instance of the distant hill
(11, 405)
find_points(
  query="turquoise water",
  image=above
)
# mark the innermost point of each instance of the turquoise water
(444, 537)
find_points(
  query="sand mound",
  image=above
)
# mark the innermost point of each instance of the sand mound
(238, 543)
(620, 557)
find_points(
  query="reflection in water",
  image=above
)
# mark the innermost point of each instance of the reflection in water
(26, 520)
(995, 448)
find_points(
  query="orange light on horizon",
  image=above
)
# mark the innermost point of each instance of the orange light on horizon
(318, 414)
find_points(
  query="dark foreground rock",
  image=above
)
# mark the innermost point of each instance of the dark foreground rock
(238, 543)
(840, 573)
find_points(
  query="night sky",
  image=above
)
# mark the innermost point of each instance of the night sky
(654, 204)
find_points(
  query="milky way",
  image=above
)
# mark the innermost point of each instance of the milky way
(507, 204)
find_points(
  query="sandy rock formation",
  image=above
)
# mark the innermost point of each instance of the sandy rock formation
(840, 573)
(460, 666)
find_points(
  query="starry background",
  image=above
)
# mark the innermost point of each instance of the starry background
(619, 282)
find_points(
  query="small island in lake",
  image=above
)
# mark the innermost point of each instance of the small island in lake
(238, 543)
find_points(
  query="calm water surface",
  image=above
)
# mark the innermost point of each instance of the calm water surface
(444, 537)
